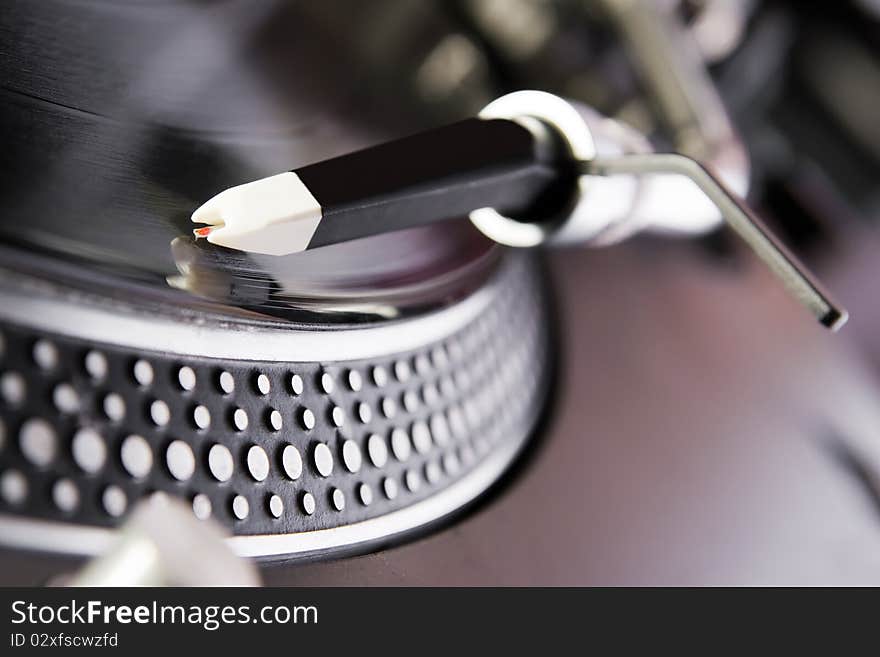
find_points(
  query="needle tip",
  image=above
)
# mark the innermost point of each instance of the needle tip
(275, 216)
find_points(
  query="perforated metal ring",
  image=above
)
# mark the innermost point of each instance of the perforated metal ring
(295, 455)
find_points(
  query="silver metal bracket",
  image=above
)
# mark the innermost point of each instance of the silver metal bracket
(742, 219)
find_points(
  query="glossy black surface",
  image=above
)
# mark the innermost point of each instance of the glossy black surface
(119, 119)
(439, 174)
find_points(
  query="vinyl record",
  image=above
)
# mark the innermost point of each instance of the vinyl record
(135, 114)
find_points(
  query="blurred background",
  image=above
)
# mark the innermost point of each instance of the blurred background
(703, 431)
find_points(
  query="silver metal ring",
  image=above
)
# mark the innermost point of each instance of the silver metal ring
(98, 421)
(571, 127)
(29, 302)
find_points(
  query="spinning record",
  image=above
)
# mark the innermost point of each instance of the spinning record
(134, 113)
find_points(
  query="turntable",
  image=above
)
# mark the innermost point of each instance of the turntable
(309, 403)
(426, 385)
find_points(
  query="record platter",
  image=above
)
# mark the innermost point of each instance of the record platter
(426, 402)
(312, 402)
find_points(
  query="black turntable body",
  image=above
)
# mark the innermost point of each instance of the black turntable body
(417, 408)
